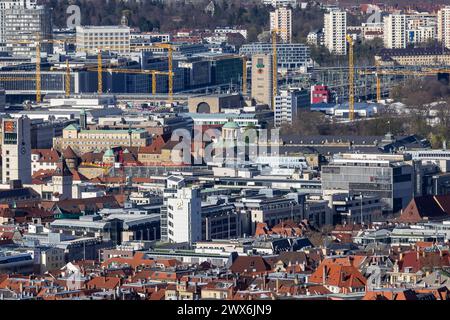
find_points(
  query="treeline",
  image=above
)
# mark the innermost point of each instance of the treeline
(172, 15)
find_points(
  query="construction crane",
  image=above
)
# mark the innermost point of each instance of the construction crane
(274, 66)
(170, 73)
(351, 79)
(38, 42)
(99, 72)
(169, 48)
(153, 73)
(379, 73)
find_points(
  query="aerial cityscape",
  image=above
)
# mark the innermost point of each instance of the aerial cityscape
(224, 150)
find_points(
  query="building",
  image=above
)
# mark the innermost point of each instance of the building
(320, 94)
(262, 79)
(335, 31)
(436, 56)
(24, 26)
(291, 56)
(83, 141)
(112, 38)
(281, 3)
(7, 5)
(285, 108)
(395, 31)
(281, 23)
(388, 176)
(184, 220)
(16, 150)
(443, 26)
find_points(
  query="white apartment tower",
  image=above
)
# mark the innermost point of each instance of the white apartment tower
(184, 216)
(395, 31)
(443, 32)
(16, 150)
(281, 22)
(285, 108)
(335, 31)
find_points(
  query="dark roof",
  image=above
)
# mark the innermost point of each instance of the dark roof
(69, 153)
(414, 52)
(254, 264)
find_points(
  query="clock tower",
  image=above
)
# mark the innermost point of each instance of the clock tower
(16, 150)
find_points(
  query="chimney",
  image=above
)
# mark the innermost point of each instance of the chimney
(325, 276)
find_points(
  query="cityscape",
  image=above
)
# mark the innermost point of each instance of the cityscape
(224, 150)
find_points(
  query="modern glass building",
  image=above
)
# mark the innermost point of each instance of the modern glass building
(291, 56)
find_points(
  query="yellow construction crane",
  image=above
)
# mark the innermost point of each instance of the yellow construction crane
(169, 48)
(170, 72)
(154, 73)
(389, 72)
(274, 66)
(38, 42)
(99, 72)
(351, 79)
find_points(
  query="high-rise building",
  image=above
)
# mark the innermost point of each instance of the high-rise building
(16, 150)
(262, 78)
(285, 108)
(395, 31)
(6, 5)
(335, 31)
(281, 22)
(184, 216)
(25, 26)
(113, 38)
(443, 26)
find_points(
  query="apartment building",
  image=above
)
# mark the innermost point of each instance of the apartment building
(281, 23)
(395, 31)
(335, 30)
(285, 108)
(443, 26)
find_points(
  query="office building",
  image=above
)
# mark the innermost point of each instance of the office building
(7, 5)
(83, 141)
(184, 216)
(335, 30)
(443, 26)
(281, 23)
(285, 108)
(390, 177)
(112, 38)
(262, 79)
(16, 150)
(395, 31)
(290, 56)
(25, 26)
